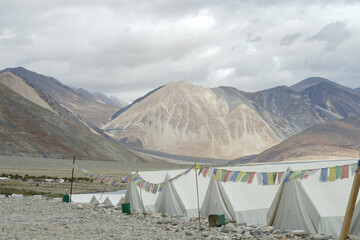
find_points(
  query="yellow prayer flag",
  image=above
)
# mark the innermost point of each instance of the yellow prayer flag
(270, 176)
(218, 174)
(332, 174)
(294, 175)
(241, 174)
(197, 167)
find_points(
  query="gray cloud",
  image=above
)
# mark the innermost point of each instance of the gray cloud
(290, 39)
(127, 48)
(334, 34)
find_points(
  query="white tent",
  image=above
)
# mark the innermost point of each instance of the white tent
(315, 206)
(86, 197)
(94, 201)
(185, 187)
(355, 224)
(292, 209)
(107, 202)
(121, 201)
(214, 203)
(169, 201)
(132, 196)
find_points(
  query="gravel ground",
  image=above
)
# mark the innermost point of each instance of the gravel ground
(46, 218)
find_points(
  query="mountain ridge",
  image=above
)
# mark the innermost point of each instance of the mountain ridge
(275, 115)
(28, 129)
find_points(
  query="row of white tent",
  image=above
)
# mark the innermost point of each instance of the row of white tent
(307, 204)
(110, 199)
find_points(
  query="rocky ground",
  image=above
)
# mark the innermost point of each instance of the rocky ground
(47, 218)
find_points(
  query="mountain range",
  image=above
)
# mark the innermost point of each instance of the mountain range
(41, 117)
(224, 122)
(178, 118)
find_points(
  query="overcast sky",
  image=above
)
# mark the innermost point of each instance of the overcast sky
(127, 48)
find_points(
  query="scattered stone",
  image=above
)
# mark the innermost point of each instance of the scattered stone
(228, 229)
(317, 236)
(25, 218)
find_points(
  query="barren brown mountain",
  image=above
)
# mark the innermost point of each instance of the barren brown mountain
(331, 140)
(26, 129)
(76, 105)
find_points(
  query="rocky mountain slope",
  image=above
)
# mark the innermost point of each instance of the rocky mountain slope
(309, 82)
(226, 123)
(184, 119)
(27, 129)
(76, 105)
(331, 140)
(111, 100)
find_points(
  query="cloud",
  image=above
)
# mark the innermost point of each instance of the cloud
(130, 47)
(290, 39)
(334, 34)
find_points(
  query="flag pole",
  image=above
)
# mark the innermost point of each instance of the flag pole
(72, 178)
(197, 194)
(142, 202)
(351, 204)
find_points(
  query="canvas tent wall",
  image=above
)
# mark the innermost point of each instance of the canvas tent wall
(169, 200)
(312, 205)
(292, 209)
(355, 224)
(185, 187)
(86, 197)
(132, 196)
(214, 201)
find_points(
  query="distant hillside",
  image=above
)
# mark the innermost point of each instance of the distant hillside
(28, 129)
(111, 100)
(357, 89)
(76, 105)
(334, 99)
(308, 82)
(331, 140)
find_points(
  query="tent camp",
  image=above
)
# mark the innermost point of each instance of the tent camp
(250, 202)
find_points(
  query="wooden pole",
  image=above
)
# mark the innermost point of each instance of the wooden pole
(351, 204)
(197, 194)
(142, 202)
(72, 178)
(101, 195)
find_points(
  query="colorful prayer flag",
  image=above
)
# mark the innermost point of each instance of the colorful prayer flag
(205, 171)
(323, 175)
(338, 172)
(251, 177)
(244, 176)
(227, 175)
(234, 176)
(345, 171)
(264, 178)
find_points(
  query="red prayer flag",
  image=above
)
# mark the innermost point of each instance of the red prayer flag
(252, 174)
(345, 172)
(279, 176)
(227, 175)
(204, 172)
